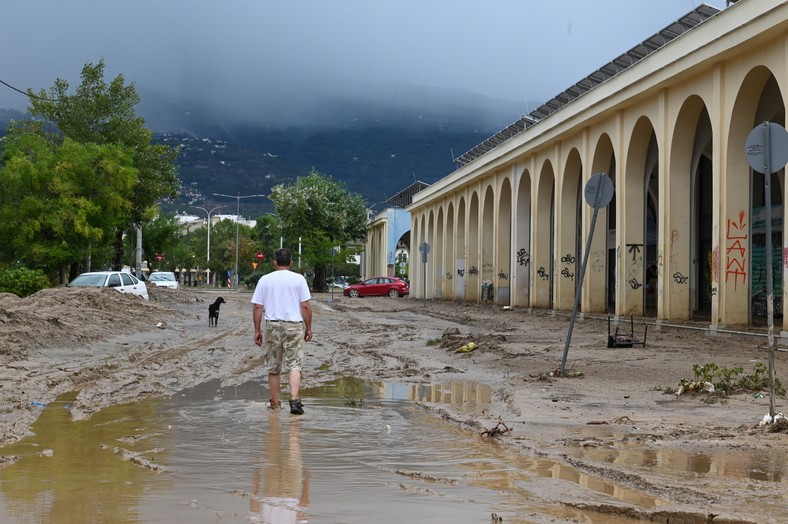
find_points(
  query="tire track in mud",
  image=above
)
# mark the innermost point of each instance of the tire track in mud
(190, 355)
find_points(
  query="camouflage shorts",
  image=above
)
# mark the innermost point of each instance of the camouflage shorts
(283, 344)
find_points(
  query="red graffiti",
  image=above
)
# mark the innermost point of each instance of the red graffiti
(736, 251)
(741, 226)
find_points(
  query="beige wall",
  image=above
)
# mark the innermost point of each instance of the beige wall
(670, 132)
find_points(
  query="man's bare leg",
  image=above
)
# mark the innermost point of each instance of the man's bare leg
(274, 382)
(295, 383)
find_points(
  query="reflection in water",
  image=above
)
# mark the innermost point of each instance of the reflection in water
(226, 458)
(72, 472)
(463, 395)
(284, 496)
(616, 448)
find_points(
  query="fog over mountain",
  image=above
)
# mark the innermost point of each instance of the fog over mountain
(398, 105)
(376, 142)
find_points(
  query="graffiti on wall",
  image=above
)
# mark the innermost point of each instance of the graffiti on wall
(503, 276)
(636, 267)
(735, 251)
(460, 273)
(473, 271)
(523, 257)
(569, 260)
(542, 273)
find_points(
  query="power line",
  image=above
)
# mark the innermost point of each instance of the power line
(29, 94)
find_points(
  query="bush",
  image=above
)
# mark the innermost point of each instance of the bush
(710, 377)
(251, 281)
(759, 380)
(22, 281)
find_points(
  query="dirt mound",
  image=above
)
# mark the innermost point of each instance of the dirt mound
(71, 317)
(166, 296)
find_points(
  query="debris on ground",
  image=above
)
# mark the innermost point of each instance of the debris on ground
(499, 429)
(707, 387)
(769, 419)
(467, 348)
(453, 340)
(567, 373)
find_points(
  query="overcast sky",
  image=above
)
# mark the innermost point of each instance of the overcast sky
(227, 50)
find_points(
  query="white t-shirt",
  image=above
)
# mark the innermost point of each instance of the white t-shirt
(281, 293)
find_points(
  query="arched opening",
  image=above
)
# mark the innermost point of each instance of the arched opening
(488, 237)
(451, 256)
(504, 247)
(742, 258)
(600, 282)
(474, 255)
(437, 253)
(522, 243)
(462, 253)
(431, 264)
(571, 232)
(544, 246)
(770, 109)
(683, 277)
(639, 223)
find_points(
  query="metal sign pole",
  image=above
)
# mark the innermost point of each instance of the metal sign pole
(767, 195)
(601, 186)
(766, 150)
(424, 248)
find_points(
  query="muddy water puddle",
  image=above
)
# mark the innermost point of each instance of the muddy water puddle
(364, 452)
(602, 445)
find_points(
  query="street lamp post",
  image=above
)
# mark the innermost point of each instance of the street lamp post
(208, 254)
(279, 221)
(237, 217)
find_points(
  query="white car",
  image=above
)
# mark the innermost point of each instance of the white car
(120, 280)
(164, 279)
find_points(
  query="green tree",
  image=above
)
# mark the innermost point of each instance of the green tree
(61, 200)
(161, 236)
(102, 113)
(324, 215)
(267, 233)
(223, 236)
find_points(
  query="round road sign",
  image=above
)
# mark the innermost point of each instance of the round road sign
(599, 191)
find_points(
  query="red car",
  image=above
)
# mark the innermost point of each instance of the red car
(391, 286)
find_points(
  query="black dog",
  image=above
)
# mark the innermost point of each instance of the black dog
(213, 312)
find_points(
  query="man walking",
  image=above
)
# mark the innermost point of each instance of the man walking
(282, 297)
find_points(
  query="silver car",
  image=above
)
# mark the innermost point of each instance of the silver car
(164, 279)
(120, 280)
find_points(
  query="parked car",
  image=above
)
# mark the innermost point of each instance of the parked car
(391, 286)
(120, 280)
(164, 279)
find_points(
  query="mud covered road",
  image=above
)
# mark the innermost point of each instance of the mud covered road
(704, 458)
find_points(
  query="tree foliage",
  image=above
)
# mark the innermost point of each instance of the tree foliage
(80, 175)
(324, 215)
(60, 200)
(104, 113)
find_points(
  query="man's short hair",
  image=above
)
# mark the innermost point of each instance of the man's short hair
(283, 257)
